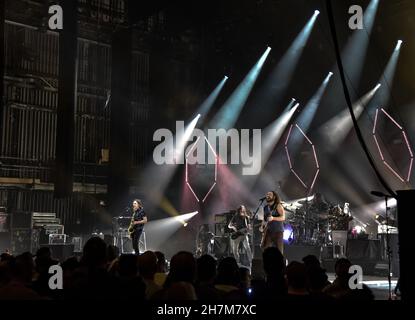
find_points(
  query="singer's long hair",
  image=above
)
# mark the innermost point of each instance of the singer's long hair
(277, 199)
(140, 203)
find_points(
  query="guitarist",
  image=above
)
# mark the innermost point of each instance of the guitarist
(138, 220)
(240, 226)
(274, 217)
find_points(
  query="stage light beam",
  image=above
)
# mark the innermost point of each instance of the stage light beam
(337, 128)
(229, 112)
(386, 80)
(307, 115)
(272, 91)
(210, 100)
(398, 45)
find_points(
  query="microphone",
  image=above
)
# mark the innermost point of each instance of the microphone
(262, 199)
(378, 194)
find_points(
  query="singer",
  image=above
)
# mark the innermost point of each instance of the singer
(273, 224)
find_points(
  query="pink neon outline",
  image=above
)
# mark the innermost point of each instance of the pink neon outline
(380, 151)
(288, 157)
(410, 169)
(396, 174)
(193, 146)
(305, 186)
(216, 169)
(288, 136)
(314, 180)
(309, 141)
(393, 120)
(191, 189)
(210, 190)
(315, 156)
(211, 148)
(376, 121)
(407, 143)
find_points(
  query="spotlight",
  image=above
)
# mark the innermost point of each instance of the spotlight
(330, 73)
(380, 219)
(185, 224)
(378, 86)
(398, 45)
(226, 77)
(317, 12)
(296, 106)
(293, 99)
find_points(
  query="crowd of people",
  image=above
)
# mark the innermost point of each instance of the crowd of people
(100, 273)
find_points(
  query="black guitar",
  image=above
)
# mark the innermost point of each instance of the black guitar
(239, 233)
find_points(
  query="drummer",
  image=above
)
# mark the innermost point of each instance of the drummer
(319, 207)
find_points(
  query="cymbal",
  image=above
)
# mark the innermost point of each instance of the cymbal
(289, 210)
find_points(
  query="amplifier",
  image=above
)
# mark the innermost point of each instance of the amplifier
(21, 241)
(77, 242)
(38, 215)
(221, 247)
(221, 229)
(45, 221)
(57, 238)
(54, 229)
(21, 220)
(46, 230)
(60, 251)
(224, 217)
(4, 222)
(220, 218)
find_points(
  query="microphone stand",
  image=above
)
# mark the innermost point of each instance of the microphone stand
(388, 249)
(261, 201)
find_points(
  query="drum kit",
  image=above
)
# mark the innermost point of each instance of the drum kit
(307, 225)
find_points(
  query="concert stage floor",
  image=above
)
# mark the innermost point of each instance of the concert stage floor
(378, 285)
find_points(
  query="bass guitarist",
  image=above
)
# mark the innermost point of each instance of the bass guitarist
(138, 220)
(273, 223)
(240, 224)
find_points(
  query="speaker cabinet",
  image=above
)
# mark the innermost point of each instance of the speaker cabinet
(60, 251)
(221, 247)
(21, 220)
(4, 222)
(21, 241)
